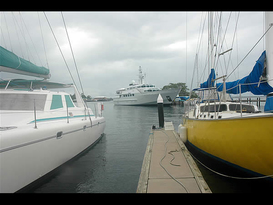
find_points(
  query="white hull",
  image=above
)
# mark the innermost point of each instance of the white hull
(148, 98)
(26, 154)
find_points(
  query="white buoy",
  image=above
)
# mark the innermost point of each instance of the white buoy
(182, 131)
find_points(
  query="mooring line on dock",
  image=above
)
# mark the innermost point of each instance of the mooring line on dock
(160, 163)
(171, 153)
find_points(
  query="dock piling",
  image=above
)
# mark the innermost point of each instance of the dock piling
(160, 111)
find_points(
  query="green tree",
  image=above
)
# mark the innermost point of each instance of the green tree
(83, 96)
(184, 89)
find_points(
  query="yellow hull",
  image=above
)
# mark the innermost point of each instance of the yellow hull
(245, 142)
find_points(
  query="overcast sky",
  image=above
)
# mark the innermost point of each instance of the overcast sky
(110, 46)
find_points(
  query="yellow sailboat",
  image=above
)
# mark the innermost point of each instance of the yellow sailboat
(235, 133)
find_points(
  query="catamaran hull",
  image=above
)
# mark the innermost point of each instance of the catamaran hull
(27, 154)
(242, 143)
(148, 98)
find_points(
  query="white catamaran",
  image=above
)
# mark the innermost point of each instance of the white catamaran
(39, 129)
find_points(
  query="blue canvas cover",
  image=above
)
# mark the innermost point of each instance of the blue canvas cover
(269, 104)
(210, 82)
(250, 82)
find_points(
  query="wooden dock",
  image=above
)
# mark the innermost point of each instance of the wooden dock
(168, 166)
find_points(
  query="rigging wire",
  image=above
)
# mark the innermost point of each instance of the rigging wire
(24, 24)
(43, 40)
(85, 104)
(186, 49)
(24, 37)
(220, 50)
(229, 60)
(72, 53)
(250, 51)
(8, 31)
(200, 42)
(16, 29)
(1, 31)
(60, 49)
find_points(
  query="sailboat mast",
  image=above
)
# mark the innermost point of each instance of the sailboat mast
(269, 47)
(211, 39)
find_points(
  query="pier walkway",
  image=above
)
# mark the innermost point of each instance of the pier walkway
(168, 167)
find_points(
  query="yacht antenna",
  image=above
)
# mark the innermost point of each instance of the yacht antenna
(140, 76)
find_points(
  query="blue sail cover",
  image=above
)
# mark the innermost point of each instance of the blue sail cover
(250, 82)
(269, 104)
(210, 82)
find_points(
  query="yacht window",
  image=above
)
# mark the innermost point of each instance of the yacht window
(18, 101)
(68, 101)
(56, 102)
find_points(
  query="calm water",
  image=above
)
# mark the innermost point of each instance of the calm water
(113, 165)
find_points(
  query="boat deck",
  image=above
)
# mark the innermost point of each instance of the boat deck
(168, 167)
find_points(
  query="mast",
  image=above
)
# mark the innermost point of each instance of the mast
(269, 47)
(140, 76)
(211, 39)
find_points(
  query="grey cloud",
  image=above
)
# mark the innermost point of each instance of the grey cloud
(109, 46)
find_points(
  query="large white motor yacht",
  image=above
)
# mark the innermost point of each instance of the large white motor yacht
(143, 94)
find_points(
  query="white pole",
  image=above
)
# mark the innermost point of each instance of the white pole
(241, 107)
(269, 46)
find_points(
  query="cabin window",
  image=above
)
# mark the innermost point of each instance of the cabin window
(56, 102)
(245, 108)
(68, 101)
(211, 108)
(19, 101)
